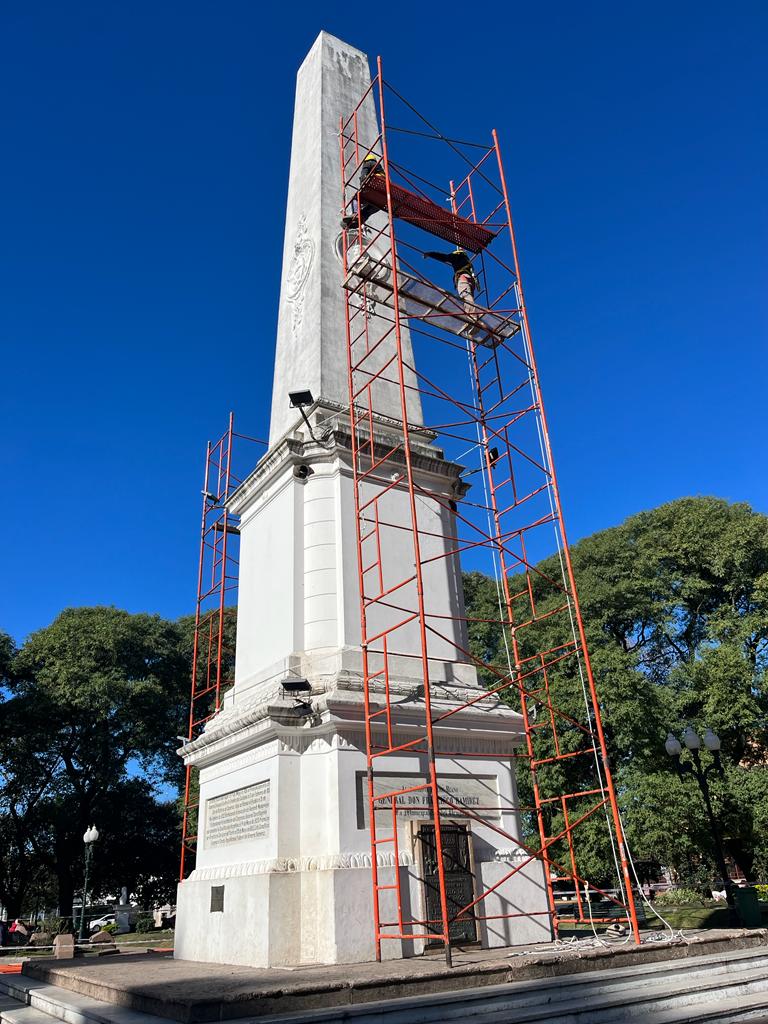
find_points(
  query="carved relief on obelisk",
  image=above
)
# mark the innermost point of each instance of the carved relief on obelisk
(298, 274)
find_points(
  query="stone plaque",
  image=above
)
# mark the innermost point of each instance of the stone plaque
(237, 816)
(217, 899)
(479, 794)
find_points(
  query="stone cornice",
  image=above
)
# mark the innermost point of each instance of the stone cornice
(340, 708)
(336, 444)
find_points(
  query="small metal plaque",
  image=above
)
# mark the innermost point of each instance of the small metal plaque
(217, 899)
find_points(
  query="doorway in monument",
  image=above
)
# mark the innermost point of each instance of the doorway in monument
(459, 879)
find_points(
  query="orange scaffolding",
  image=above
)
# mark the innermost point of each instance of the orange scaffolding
(213, 650)
(474, 370)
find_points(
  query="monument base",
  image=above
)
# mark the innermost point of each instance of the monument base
(283, 874)
(278, 918)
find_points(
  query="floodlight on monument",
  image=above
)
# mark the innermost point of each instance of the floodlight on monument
(299, 399)
(672, 745)
(91, 834)
(292, 684)
(711, 741)
(691, 738)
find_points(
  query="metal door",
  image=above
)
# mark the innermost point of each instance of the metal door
(459, 882)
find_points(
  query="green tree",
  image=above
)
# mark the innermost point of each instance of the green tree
(173, 766)
(20, 791)
(675, 605)
(7, 654)
(92, 700)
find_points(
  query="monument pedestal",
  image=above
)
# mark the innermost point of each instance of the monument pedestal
(283, 872)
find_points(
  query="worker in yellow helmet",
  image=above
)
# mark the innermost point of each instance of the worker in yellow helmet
(464, 277)
(371, 165)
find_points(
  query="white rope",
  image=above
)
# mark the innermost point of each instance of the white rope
(675, 933)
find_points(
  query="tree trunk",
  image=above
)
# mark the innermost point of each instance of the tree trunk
(744, 858)
(14, 887)
(66, 890)
(13, 902)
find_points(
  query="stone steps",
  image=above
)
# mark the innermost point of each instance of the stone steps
(35, 1002)
(730, 987)
(674, 991)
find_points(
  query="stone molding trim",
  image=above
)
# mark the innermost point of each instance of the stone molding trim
(238, 725)
(336, 448)
(512, 853)
(284, 865)
(233, 764)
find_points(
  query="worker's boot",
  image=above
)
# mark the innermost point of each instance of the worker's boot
(350, 221)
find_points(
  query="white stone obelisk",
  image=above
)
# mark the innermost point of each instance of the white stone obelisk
(283, 870)
(311, 338)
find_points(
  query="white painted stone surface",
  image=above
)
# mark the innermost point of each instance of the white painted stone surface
(297, 889)
(303, 893)
(311, 334)
(304, 530)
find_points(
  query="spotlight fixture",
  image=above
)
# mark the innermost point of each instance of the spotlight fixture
(299, 399)
(301, 691)
(293, 685)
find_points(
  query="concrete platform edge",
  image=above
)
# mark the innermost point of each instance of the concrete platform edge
(265, 1000)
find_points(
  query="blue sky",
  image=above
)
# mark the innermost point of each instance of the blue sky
(144, 174)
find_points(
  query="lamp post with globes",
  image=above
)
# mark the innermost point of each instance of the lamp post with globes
(90, 836)
(694, 767)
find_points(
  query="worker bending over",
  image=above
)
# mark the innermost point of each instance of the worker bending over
(464, 278)
(371, 165)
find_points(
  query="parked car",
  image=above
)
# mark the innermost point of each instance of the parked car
(99, 922)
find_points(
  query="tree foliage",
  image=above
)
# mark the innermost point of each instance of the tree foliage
(92, 701)
(675, 604)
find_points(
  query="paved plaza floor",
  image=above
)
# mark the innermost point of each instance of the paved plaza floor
(188, 991)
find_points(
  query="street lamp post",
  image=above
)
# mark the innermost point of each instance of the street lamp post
(694, 767)
(90, 836)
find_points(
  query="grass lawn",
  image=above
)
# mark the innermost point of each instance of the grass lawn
(161, 937)
(690, 915)
(687, 915)
(155, 940)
